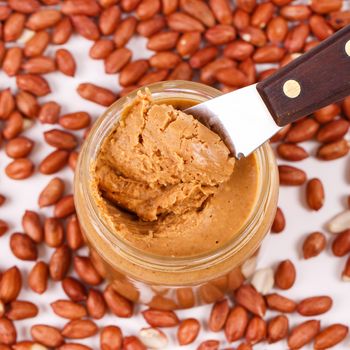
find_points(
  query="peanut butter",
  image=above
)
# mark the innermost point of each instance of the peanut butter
(167, 184)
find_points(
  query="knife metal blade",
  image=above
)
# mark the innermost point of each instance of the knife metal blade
(240, 118)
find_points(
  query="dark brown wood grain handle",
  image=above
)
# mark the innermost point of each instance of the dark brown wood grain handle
(312, 81)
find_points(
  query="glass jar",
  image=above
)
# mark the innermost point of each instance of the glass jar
(166, 282)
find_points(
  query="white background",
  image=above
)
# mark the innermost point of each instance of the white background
(318, 276)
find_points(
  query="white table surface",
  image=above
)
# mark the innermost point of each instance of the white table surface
(318, 276)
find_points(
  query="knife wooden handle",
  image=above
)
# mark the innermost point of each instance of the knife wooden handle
(314, 80)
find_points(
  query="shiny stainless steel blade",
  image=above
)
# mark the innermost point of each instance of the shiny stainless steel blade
(240, 117)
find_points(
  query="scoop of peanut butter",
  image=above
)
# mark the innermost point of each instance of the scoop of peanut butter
(159, 161)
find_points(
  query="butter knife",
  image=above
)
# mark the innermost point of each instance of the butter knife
(248, 117)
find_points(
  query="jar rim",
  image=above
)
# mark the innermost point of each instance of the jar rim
(82, 183)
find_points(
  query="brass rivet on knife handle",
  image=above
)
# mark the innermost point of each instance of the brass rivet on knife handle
(291, 88)
(347, 48)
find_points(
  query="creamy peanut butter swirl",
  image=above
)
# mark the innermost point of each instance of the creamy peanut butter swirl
(160, 160)
(160, 174)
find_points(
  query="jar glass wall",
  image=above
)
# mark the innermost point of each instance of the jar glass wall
(168, 282)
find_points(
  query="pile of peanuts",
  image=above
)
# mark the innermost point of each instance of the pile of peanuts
(222, 43)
